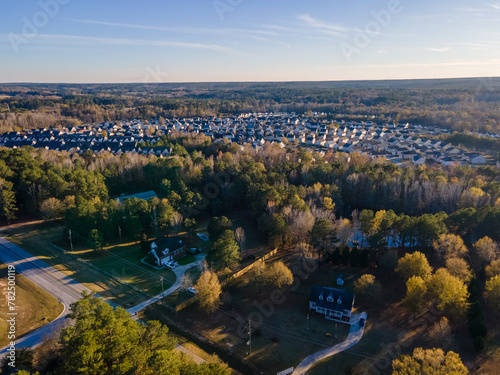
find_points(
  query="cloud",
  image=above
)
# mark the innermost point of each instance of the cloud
(321, 25)
(135, 42)
(183, 30)
(440, 50)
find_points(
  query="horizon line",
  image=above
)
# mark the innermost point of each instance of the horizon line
(252, 81)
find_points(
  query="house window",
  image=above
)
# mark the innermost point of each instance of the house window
(330, 299)
(339, 301)
(321, 297)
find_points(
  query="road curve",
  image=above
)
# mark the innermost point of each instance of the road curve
(179, 274)
(355, 334)
(54, 282)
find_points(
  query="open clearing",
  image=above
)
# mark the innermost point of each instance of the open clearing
(36, 240)
(34, 306)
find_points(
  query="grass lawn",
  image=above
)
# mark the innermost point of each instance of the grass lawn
(34, 306)
(35, 239)
(280, 338)
(182, 294)
(186, 260)
(124, 262)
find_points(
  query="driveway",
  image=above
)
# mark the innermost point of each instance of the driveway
(67, 290)
(54, 282)
(179, 274)
(355, 334)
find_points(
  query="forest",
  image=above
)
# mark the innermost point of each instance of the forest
(337, 208)
(460, 105)
(284, 190)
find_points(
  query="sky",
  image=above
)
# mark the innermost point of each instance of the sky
(104, 41)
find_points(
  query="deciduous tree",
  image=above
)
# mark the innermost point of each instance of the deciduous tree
(485, 250)
(449, 291)
(416, 289)
(279, 275)
(450, 245)
(493, 292)
(367, 287)
(209, 291)
(414, 264)
(429, 362)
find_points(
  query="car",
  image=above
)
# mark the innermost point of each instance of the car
(194, 250)
(203, 237)
(193, 290)
(171, 264)
(361, 322)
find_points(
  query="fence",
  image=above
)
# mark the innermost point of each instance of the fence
(117, 279)
(250, 266)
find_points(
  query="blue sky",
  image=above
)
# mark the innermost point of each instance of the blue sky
(246, 40)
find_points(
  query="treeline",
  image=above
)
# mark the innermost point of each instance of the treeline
(470, 108)
(287, 191)
(106, 341)
(473, 141)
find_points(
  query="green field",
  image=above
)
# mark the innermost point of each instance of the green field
(36, 240)
(124, 262)
(34, 306)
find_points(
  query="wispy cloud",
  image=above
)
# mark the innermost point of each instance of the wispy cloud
(495, 6)
(133, 42)
(321, 25)
(440, 50)
(183, 30)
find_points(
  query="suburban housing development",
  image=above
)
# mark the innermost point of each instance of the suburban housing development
(401, 143)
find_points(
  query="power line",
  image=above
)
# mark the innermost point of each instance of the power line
(296, 337)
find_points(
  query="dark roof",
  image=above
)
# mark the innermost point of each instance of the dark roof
(345, 298)
(170, 243)
(145, 195)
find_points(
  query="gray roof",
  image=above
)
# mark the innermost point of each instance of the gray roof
(145, 195)
(345, 298)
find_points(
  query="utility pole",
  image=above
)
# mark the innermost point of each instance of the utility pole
(335, 330)
(250, 336)
(120, 233)
(70, 240)
(155, 222)
(308, 322)
(161, 279)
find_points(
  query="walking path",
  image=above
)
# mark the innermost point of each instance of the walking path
(355, 334)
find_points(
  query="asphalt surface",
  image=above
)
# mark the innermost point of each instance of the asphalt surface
(355, 334)
(54, 282)
(67, 291)
(179, 274)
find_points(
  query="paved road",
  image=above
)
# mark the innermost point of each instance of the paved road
(67, 291)
(355, 334)
(64, 288)
(179, 274)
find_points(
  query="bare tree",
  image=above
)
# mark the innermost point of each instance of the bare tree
(345, 230)
(176, 221)
(300, 222)
(187, 281)
(240, 237)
